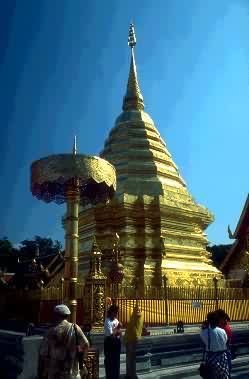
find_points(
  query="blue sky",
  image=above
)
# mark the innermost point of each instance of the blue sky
(63, 71)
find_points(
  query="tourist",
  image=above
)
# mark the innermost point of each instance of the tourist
(215, 341)
(133, 332)
(224, 324)
(63, 348)
(112, 343)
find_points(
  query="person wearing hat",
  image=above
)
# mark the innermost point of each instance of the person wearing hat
(61, 347)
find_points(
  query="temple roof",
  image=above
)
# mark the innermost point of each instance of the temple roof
(243, 221)
(239, 235)
(33, 273)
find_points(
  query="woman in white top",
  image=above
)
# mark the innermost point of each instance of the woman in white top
(215, 341)
(112, 343)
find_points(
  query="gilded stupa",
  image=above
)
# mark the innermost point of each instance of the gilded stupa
(161, 227)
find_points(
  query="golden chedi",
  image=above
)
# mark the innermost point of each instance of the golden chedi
(160, 225)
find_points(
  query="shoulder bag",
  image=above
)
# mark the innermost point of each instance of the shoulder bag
(80, 356)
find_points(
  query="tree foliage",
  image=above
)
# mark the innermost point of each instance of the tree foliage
(46, 246)
(7, 256)
(27, 250)
(5, 247)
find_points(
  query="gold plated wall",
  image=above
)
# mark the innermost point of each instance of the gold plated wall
(161, 227)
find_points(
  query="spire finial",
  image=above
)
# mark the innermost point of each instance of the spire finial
(132, 36)
(75, 146)
(133, 98)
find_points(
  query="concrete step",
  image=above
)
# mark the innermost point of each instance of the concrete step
(178, 351)
(240, 371)
(101, 359)
(189, 371)
(102, 366)
(122, 371)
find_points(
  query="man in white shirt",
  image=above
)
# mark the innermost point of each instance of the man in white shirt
(112, 343)
(109, 326)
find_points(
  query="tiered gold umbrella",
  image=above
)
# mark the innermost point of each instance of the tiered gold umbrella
(72, 179)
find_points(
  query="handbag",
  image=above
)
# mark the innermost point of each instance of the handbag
(204, 367)
(203, 370)
(80, 356)
(233, 352)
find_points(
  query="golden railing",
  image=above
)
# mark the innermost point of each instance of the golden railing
(170, 304)
(174, 293)
(188, 311)
(57, 293)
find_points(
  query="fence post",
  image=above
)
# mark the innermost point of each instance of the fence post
(215, 280)
(166, 295)
(62, 290)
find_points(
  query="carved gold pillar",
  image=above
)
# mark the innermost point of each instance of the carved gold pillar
(116, 275)
(92, 363)
(94, 300)
(71, 246)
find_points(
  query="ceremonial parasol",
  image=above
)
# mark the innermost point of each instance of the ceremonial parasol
(73, 179)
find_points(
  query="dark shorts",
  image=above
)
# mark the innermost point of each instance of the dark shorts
(112, 350)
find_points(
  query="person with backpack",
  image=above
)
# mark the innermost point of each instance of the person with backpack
(63, 349)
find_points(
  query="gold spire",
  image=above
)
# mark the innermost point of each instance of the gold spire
(133, 98)
(75, 146)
